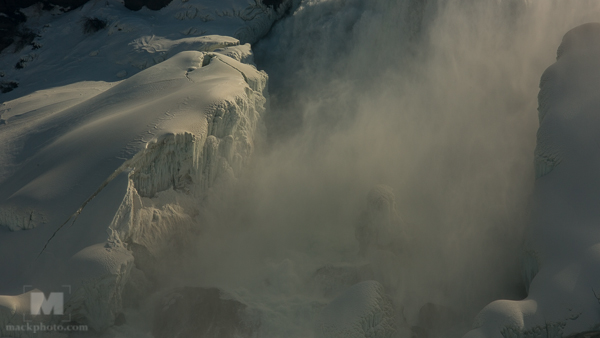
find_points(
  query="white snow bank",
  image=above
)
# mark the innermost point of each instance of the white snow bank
(13, 310)
(565, 237)
(132, 41)
(121, 164)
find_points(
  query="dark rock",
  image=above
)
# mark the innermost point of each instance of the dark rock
(69, 4)
(120, 319)
(331, 280)
(434, 316)
(155, 5)
(8, 30)
(379, 227)
(6, 87)
(419, 332)
(580, 38)
(588, 334)
(272, 3)
(9, 24)
(23, 37)
(203, 313)
(92, 25)
(137, 288)
(9, 6)
(144, 260)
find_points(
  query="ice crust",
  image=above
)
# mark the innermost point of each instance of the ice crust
(564, 248)
(16, 219)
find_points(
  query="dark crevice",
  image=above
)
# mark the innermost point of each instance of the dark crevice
(273, 3)
(155, 5)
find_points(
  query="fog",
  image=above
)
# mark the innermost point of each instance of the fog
(434, 99)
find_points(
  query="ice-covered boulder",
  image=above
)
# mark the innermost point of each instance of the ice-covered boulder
(379, 226)
(362, 311)
(330, 280)
(563, 261)
(203, 313)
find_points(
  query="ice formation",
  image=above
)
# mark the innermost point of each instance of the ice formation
(364, 310)
(102, 163)
(123, 167)
(564, 251)
(107, 156)
(379, 226)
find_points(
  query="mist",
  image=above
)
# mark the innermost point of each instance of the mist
(435, 100)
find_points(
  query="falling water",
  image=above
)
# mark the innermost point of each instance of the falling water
(434, 100)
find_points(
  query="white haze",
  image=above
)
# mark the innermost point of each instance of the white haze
(436, 100)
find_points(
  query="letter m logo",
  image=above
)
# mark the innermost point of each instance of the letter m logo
(54, 304)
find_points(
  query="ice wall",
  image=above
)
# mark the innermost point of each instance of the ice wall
(562, 300)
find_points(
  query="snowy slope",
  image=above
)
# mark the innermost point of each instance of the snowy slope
(85, 155)
(64, 53)
(112, 137)
(565, 239)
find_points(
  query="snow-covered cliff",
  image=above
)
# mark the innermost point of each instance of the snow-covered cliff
(90, 169)
(564, 255)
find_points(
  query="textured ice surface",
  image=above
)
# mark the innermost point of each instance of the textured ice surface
(564, 262)
(362, 311)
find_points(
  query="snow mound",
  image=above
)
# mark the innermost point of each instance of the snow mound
(563, 262)
(362, 311)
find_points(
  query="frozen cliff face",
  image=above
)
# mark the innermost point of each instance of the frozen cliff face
(565, 238)
(93, 170)
(113, 137)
